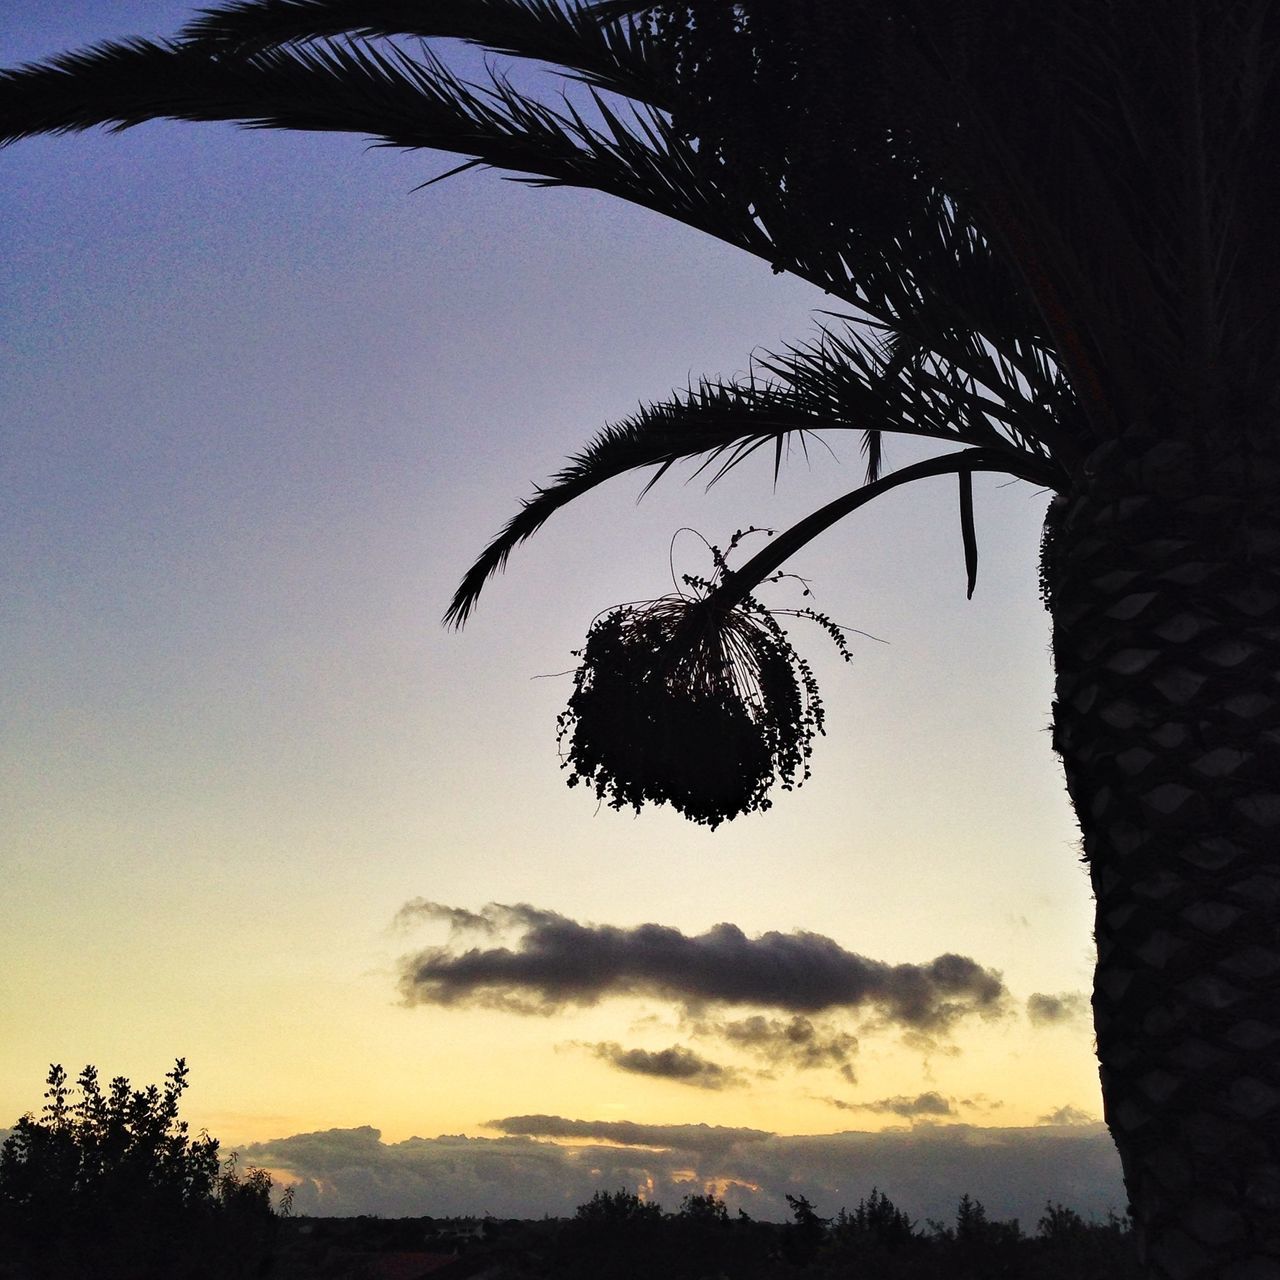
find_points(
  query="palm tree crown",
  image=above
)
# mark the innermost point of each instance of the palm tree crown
(938, 340)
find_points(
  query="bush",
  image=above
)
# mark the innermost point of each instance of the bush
(113, 1184)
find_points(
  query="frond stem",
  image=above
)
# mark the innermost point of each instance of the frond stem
(739, 583)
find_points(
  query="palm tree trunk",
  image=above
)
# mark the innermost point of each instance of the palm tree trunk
(1162, 573)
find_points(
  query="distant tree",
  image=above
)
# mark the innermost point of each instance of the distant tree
(618, 1206)
(876, 1223)
(977, 1246)
(805, 1233)
(116, 1177)
(1060, 1223)
(616, 1235)
(705, 1208)
(1070, 1248)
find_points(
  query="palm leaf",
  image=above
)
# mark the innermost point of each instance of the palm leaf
(739, 583)
(416, 102)
(410, 103)
(839, 382)
(613, 56)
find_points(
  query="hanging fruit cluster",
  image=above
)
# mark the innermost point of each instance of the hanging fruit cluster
(684, 702)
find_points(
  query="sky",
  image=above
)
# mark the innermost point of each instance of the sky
(261, 403)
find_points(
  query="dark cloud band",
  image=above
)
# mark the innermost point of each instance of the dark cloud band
(795, 1042)
(554, 961)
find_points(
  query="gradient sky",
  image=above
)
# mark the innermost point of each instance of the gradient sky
(260, 404)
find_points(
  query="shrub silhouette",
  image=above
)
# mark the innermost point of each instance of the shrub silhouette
(113, 1184)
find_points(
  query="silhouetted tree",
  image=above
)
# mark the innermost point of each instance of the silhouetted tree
(113, 1184)
(616, 1207)
(805, 1232)
(614, 1235)
(704, 1209)
(876, 1223)
(1057, 221)
(1060, 1223)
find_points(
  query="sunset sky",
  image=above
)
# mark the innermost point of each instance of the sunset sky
(261, 403)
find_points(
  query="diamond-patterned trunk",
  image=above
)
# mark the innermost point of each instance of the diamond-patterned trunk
(1162, 573)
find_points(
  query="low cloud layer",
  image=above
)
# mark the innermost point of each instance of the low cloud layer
(924, 1170)
(552, 961)
(676, 1063)
(1051, 1011)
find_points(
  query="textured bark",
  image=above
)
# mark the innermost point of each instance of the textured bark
(1162, 573)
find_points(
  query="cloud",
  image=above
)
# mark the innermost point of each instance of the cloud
(980, 1102)
(556, 961)
(924, 1170)
(460, 919)
(345, 1172)
(923, 1104)
(796, 1042)
(928, 1046)
(1052, 1011)
(1067, 1115)
(676, 1063)
(704, 1139)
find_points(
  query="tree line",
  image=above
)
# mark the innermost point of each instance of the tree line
(618, 1234)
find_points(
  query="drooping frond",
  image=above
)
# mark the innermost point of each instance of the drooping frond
(712, 419)
(258, 63)
(956, 358)
(737, 584)
(411, 103)
(614, 56)
(840, 382)
(923, 272)
(954, 351)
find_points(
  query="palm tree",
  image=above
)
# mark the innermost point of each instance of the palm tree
(1049, 224)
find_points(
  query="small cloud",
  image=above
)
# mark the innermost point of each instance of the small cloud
(459, 918)
(928, 1046)
(923, 1104)
(796, 1042)
(1068, 1115)
(676, 1063)
(980, 1102)
(1051, 1011)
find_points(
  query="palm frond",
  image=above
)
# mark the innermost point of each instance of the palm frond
(739, 583)
(839, 382)
(713, 419)
(418, 103)
(615, 56)
(399, 101)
